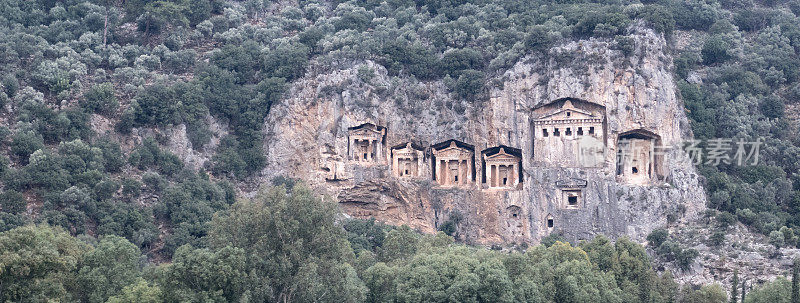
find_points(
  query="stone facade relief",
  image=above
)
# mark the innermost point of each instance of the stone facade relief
(407, 160)
(606, 98)
(572, 192)
(502, 168)
(638, 157)
(550, 223)
(334, 169)
(453, 163)
(570, 133)
(366, 143)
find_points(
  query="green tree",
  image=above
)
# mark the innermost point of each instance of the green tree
(455, 61)
(290, 240)
(657, 237)
(538, 39)
(24, 143)
(243, 60)
(659, 18)
(190, 206)
(777, 291)
(158, 12)
(100, 99)
(157, 105)
(715, 50)
(107, 269)
(38, 264)
(13, 202)
(139, 292)
(287, 60)
(400, 243)
(470, 84)
(744, 290)
(453, 274)
(380, 280)
(200, 275)
(706, 294)
(772, 107)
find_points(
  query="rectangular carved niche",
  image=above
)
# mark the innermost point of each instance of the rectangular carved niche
(572, 198)
(572, 192)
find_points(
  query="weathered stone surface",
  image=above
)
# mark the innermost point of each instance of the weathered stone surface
(307, 138)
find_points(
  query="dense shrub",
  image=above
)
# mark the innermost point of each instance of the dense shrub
(286, 60)
(715, 50)
(12, 201)
(772, 107)
(693, 14)
(455, 61)
(470, 84)
(753, 19)
(100, 99)
(24, 143)
(150, 155)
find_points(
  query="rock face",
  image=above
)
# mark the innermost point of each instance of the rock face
(621, 97)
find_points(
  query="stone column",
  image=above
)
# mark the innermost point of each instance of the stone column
(443, 173)
(490, 178)
(468, 172)
(495, 175)
(351, 148)
(369, 150)
(395, 166)
(487, 169)
(460, 172)
(498, 178)
(465, 175)
(438, 170)
(515, 175)
(378, 154)
(420, 158)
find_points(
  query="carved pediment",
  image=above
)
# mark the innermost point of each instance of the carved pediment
(567, 111)
(453, 152)
(406, 150)
(567, 114)
(502, 156)
(366, 132)
(406, 153)
(571, 183)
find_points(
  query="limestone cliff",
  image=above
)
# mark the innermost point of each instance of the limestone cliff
(308, 138)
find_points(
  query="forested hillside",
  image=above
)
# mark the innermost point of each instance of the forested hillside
(96, 208)
(287, 247)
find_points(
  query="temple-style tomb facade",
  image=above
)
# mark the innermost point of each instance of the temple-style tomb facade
(638, 160)
(453, 163)
(569, 133)
(407, 160)
(502, 167)
(366, 143)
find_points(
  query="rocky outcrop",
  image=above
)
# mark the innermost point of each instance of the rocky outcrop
(740, 250)
(307, 138)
